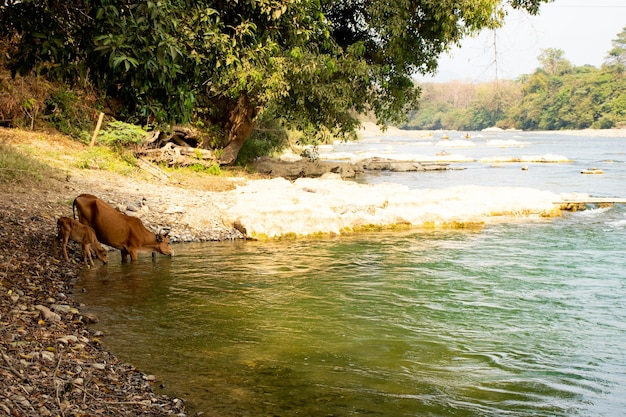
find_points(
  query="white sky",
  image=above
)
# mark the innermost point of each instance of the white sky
(583, 29)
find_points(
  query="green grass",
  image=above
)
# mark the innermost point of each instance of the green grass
(19, 168)
(105, 159)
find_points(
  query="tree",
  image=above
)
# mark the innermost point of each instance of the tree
(617, 55)
(553, 61)
(313, 65)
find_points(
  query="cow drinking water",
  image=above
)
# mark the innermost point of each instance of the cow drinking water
(123, 232)
(82, 234)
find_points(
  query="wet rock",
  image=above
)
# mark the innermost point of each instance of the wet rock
(90, 318)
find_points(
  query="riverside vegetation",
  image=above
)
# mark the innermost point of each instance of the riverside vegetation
(557, 96)
(233, 69)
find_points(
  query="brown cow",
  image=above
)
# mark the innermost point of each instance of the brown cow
(123, 232)
(79, 233)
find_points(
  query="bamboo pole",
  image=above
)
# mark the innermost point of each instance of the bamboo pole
(95, 132)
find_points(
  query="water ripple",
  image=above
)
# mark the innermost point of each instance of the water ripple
(521, 320)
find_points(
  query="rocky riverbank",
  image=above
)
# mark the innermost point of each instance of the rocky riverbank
(51, 364)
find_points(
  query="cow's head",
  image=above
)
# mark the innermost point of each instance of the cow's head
(101, 254)
(163, 244)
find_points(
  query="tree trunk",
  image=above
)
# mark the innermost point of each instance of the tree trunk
(238, 128)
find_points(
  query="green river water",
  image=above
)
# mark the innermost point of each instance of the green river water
(521, 319)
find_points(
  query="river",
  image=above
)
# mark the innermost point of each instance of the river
(516, 318)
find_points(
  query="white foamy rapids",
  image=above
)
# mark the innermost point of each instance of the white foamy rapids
(279, 208)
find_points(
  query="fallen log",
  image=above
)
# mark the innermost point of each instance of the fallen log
(176, 155)
(152, 169)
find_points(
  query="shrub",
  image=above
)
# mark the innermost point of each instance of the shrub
(265, 140)
(119, 134)
(67, 113)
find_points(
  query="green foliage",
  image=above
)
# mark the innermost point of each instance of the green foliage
(214, 169)
(617, 55)
(269, 138)
(553, 62)
(105, 159)
(313, 64)
(121, 134)
(584, 97)
(459, 106)
(66, 112)
(556, 96)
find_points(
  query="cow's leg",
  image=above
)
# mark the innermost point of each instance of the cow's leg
(55, 245)
(65, 238)
(87, 253)
(124, 254)
(133, 254)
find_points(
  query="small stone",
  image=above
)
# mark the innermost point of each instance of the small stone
(174, 210)
(21, 400)
(47, 314)
(46, 356)
(90, 318)
(68, 340)
(61, 308)
(44, 412)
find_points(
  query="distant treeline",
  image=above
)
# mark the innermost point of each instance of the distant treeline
(556, 96)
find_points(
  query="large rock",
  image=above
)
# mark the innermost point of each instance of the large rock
(384, 164)
(304, 168)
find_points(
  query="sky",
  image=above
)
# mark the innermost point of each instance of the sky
(583, 29)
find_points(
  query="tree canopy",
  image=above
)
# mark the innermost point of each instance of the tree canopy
(312, 65)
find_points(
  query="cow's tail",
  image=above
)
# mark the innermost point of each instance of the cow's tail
(74, 208)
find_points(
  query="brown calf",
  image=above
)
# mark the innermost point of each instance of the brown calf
(84, 235)
(123, 232)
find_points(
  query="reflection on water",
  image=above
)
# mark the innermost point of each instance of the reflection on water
(511, 320)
